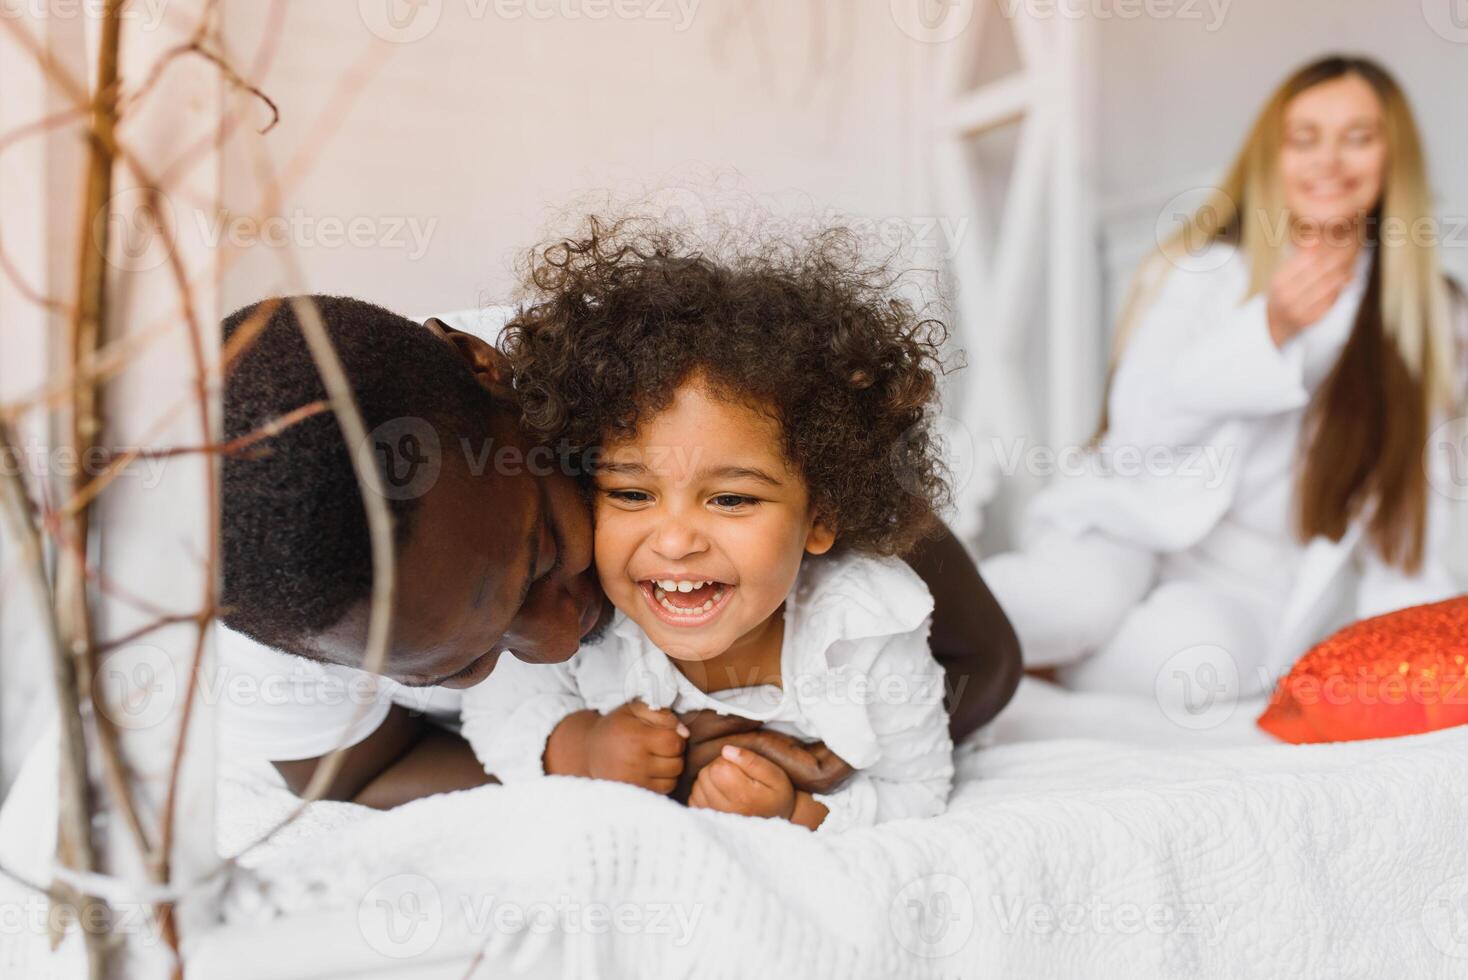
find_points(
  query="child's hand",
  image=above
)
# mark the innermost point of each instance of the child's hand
(638, 745)
(741, 781)
(811, 766)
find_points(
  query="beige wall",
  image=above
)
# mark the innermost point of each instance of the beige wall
(477, 133)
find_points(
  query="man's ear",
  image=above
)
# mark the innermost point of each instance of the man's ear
(490, 366)
(820, 538)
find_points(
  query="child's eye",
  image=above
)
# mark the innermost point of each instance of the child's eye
(731, 501)
(629, 496)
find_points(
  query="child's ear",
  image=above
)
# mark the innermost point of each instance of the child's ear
(490, 366)
(820, 539)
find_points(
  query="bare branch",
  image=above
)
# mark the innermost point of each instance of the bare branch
(75, 801)
(237, 447)
(196, 47)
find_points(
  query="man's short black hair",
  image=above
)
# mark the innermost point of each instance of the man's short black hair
(294, 539)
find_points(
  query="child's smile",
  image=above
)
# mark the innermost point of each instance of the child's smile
(683, 602)
(701, 525)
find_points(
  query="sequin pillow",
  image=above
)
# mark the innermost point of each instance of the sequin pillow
(1403, 673)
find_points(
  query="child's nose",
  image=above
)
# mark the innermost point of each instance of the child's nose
(676, 538)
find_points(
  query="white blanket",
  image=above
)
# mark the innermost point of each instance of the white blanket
(1095, 838)
(1144, 850)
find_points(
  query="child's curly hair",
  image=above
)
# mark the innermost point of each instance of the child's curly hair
(622, 315)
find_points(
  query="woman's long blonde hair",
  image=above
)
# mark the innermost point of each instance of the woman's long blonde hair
(1367, 424)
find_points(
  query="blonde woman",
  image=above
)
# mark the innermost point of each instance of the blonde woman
(1281, 364)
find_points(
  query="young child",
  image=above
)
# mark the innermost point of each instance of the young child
(757, 444)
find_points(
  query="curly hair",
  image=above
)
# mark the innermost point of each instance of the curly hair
(621, 316)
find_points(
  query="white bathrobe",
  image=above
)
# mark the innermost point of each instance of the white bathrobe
(1176, 571)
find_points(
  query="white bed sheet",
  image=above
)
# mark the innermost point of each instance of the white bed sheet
(1090, 836)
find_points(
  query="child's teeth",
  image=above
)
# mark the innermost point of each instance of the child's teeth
(668, 585)
(685, 586)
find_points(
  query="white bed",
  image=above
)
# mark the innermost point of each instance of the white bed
(1089, 836)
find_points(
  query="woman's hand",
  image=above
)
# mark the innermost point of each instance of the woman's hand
(812, 767)
(1305, 288)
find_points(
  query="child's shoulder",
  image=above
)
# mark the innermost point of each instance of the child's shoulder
(856, 595)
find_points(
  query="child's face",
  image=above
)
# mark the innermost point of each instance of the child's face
(701, 494)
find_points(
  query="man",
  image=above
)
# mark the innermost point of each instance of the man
(493, 555)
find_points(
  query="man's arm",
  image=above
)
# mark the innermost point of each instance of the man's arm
(971, 636)
(407, 757)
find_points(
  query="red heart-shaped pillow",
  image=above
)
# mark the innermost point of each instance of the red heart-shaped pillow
(1403, 673)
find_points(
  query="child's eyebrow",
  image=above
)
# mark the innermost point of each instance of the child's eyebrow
(715, 473)
(632, 469)
(744, 473)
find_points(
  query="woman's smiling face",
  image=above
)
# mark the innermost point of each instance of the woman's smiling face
(701, 524)
(1334, 156)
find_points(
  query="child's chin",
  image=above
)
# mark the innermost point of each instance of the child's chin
(681, 645)
(679, 648)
